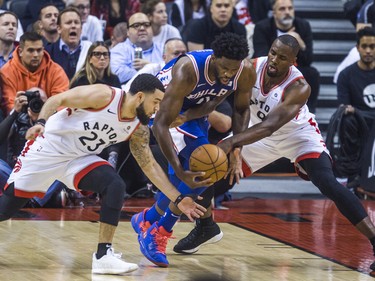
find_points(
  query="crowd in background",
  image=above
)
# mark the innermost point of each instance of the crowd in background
(53, 45)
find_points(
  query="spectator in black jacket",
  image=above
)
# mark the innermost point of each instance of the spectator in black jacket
(201, 33)
(282, 22)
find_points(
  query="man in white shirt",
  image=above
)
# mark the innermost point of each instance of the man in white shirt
(173, 48)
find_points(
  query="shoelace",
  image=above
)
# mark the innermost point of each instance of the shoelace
(161, 242)
(144, 226)
(194, 234)
(117, 255)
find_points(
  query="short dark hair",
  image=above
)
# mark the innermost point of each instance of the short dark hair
(66, 10)
(366, 31)
(30, 36)
(290, 41)
(9, 13)
(231, 46)
(45, 6)
(146, 83)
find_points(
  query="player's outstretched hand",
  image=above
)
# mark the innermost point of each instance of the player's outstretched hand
(34, 131)
(235, 166)
(193, 179)
(190, 208)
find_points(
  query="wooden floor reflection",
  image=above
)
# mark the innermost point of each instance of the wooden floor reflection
(264, 239)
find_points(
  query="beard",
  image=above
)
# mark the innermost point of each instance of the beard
(217, 78)
(141, 114)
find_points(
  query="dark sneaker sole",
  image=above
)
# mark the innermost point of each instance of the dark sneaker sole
(213, 240)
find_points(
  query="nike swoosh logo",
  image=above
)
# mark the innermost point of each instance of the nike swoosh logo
(256, 87)
(199, 85)
(109, 111)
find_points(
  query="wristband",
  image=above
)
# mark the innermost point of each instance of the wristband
(182, 196)
(40, 122)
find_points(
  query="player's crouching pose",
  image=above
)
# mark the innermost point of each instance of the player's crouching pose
(66, 147)
(282, 126)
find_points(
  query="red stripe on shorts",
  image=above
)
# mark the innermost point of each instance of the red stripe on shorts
(86, 170)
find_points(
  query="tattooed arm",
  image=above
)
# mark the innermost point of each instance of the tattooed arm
(139, 147)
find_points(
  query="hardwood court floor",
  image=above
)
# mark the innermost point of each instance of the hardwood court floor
(264, 239)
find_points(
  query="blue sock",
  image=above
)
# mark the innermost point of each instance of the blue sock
(152, 215)
(168, 220)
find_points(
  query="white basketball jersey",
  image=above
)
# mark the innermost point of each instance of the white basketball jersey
(262, 103)
(84, 131)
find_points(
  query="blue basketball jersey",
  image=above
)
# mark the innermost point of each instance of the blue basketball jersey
(205, 89)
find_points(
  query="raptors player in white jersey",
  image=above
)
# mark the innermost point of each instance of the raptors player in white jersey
(66, 147)
(282, 126)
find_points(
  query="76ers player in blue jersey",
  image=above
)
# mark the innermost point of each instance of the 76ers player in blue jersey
(195, 84)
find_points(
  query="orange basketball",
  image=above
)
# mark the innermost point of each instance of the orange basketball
(211, 159)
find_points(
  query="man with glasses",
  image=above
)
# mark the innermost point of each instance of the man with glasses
(123, 60)
(173, 48)
(69, 51)
(92, 28)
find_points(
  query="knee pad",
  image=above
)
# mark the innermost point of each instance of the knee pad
(114, 192)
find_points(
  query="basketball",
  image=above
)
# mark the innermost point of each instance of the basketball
(210, 159)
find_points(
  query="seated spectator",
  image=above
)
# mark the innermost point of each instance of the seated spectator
(33, 8)
(8, 31)
(119, 34)
(69, 51)
(47, 23)
(96, 68)
(123, 60)
(282, 22)
(202, 32)
(113, 12)
(31, 66)
(173, 48)
(92, 28)
(356, 83)
(19, 25)
(157, 14)
(366, 17)
(183, 11)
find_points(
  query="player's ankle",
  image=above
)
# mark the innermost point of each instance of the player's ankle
(205, 221)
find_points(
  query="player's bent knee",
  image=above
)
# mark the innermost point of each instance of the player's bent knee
(114, 193)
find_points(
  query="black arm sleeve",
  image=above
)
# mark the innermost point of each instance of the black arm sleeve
(6, 125)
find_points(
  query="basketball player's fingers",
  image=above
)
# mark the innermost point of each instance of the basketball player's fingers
(200, 209)
(30, 134)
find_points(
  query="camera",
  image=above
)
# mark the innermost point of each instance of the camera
(34, 102)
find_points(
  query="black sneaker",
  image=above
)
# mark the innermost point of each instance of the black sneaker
(199, 236)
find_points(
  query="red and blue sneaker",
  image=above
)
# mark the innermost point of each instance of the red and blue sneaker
(139, 224)
(153, 244)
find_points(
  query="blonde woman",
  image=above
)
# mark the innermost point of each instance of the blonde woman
(96, 69)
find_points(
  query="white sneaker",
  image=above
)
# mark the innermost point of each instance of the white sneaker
(111, 263)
